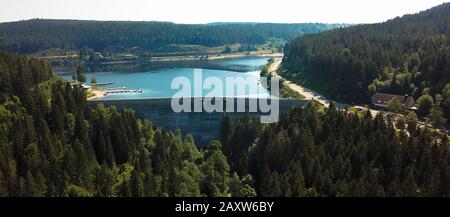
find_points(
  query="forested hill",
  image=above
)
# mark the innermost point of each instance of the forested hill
(39, 34)
(284, 30)
(53, 144)
(327, 152)
(405, 55)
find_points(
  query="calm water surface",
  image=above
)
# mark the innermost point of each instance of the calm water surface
(157, 83)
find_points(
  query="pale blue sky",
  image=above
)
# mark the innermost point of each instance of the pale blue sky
(204, 11)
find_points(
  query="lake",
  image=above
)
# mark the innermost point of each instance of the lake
(154, 103)
(157, 83)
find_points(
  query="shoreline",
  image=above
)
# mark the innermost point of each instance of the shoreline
(184, 57)
(215, 57)
(175, 60)
(306, 93)
(97, 94)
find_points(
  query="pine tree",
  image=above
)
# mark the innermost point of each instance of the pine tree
(3, 186)
(409, 184)
(226, 132)
(394, 105)
(246, 186)
(235, 185)
(216, 171)
(436, 117)
(80, 75)
(425, 103)
(411, 121)
(93, 81)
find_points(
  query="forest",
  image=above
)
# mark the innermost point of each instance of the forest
(53, 144)
(31, 36)
(406, 55)
(316, 151)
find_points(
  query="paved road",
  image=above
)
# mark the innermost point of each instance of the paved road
(307, 93)
(312, 95)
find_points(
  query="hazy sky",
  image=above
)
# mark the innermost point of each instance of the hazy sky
(204, 11)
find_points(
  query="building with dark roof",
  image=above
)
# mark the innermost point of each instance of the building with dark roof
(382, 99)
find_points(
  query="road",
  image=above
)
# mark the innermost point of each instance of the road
(312, 95)
(307, 93)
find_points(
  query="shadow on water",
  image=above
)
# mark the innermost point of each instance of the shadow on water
(151, 66)
(203, 126)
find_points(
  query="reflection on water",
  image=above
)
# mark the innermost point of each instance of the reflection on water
(156, 83)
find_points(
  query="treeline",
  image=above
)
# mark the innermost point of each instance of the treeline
(53, 144)
(35, 35)
(315, 151)
(406, 55)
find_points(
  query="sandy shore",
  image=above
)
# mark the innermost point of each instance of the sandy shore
(97, 94)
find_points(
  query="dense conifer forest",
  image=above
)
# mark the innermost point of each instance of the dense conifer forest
(53, 144)
(406, 55)
(315, 151)
(30, 36)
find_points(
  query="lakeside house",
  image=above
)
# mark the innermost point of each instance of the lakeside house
(382, 99)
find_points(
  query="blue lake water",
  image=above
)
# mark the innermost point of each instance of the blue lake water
(157, 83)
(154, 103)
